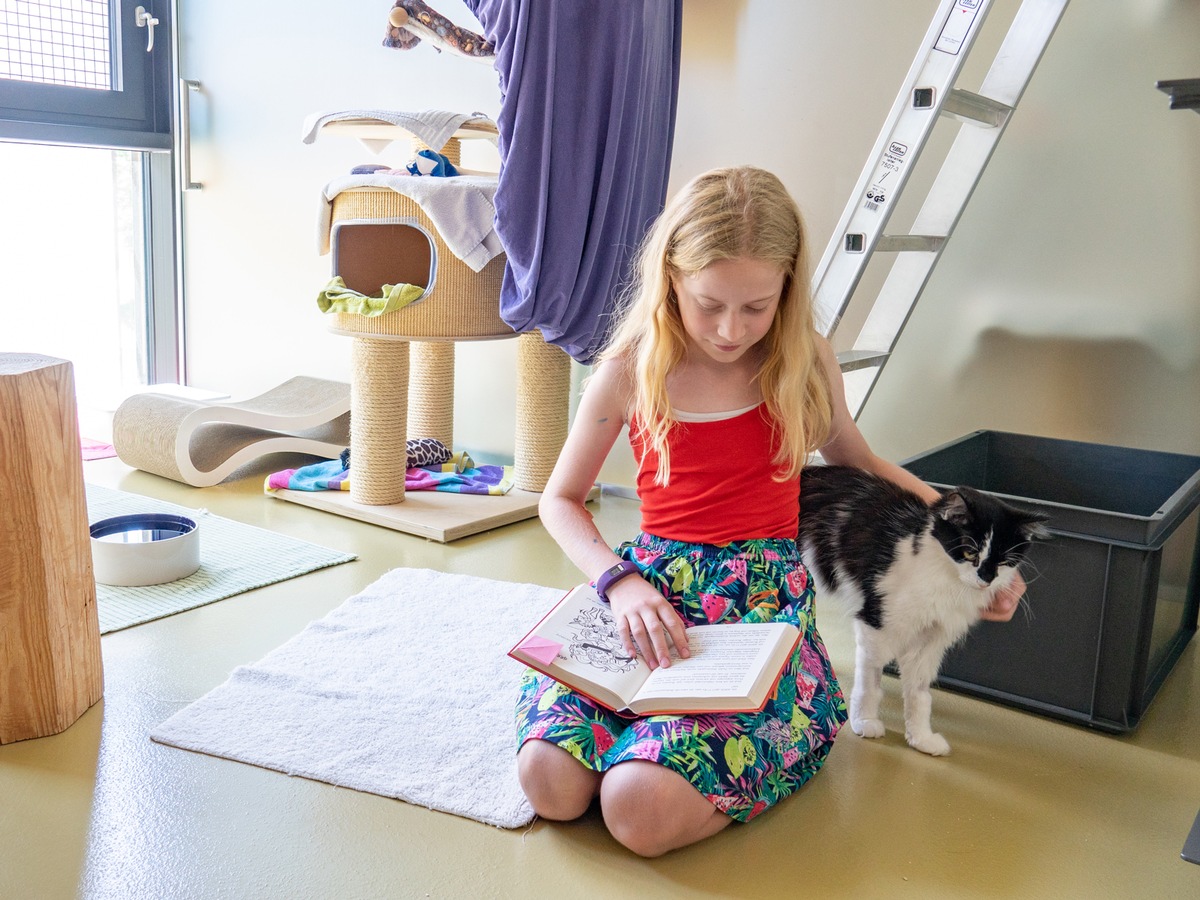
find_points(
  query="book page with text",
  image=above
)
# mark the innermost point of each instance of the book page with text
(725, 661)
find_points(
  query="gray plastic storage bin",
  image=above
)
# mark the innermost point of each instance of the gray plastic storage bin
(1113, 594)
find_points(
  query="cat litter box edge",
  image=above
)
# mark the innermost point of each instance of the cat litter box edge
(1113, 595)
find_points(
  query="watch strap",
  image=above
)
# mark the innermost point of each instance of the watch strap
(609, 577)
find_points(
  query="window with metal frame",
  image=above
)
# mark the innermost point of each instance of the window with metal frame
(86, 72)
(96, 78)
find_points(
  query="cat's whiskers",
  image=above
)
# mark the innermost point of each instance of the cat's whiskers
(1024, 606)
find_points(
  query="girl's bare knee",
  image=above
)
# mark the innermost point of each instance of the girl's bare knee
(636, 831)
(652, 810)
(558, 786)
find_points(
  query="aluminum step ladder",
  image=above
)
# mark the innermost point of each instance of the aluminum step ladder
(927, 93)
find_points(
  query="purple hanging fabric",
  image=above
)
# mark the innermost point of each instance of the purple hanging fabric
(586, 123)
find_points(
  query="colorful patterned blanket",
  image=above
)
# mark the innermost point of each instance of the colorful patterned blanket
(459, 475)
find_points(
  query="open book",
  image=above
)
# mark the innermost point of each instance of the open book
(731, 668)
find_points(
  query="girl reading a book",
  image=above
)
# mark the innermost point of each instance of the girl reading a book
(715, 366)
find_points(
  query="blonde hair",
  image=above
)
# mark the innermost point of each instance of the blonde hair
(732, 213)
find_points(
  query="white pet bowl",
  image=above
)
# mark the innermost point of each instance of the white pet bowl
(145, 548)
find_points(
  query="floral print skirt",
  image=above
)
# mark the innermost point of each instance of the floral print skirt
(743, 763)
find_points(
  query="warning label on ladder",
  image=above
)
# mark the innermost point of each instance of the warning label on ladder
(958, 26)
(887, 176)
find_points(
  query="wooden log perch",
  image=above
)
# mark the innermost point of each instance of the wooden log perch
(50, 668)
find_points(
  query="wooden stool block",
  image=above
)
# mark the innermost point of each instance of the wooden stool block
(50, 669)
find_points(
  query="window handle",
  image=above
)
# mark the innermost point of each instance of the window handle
(143, 19)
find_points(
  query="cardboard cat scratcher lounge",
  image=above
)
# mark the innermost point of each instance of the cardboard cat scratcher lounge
(202, 444)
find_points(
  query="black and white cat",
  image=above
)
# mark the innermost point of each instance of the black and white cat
(916, 577)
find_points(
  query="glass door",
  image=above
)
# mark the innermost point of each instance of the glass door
(74, 257)
(86, 171)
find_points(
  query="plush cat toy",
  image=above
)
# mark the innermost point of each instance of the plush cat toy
(429, 162)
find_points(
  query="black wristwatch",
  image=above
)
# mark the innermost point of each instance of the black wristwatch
(609, 577)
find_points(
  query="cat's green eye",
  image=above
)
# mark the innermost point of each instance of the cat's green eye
(970, 556)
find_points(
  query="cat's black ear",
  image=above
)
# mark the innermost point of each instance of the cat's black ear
(953, 508)
(1033, 526)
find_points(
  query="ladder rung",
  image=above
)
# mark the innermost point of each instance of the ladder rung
(850, 360)
(909, 243)
(929, 87)
(625, 492)
(1184, 92)
(975, 108)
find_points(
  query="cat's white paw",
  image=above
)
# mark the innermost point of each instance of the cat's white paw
(933, 744)
(868, 728)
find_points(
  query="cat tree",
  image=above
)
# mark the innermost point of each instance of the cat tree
(402, 381)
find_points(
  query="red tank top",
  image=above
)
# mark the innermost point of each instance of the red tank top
(721, 487)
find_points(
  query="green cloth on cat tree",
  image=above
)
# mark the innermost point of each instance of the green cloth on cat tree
(336, 297)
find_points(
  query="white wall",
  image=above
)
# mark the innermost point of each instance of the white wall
(1066, 305)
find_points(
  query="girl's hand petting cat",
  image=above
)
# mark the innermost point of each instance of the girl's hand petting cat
(1005, 603)
(645, 621)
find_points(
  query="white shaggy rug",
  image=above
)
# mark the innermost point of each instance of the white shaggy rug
(405, 690)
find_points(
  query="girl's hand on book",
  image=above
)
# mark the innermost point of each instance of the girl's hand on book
(645, 621)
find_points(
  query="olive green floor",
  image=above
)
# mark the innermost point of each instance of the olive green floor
(1024, 807)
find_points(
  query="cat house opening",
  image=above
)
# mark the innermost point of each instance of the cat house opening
(368, 254)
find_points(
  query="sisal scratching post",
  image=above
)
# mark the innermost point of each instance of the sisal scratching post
(50, 670)
(431, 391)
(378, 421)
(543, 402)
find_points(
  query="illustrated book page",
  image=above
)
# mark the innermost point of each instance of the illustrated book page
(731, 668)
